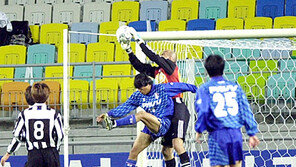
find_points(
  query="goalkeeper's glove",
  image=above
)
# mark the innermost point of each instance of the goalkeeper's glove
(126, 46)
(136, 36)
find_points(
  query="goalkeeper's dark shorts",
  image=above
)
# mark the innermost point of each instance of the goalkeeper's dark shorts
(48, 157)
(179, 123)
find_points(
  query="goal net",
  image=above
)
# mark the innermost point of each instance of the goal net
(265, 69)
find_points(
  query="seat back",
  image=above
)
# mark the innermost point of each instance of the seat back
(127, 11)
(6, 73)
(241, 9)
(258, 23)
(87, 71)
(290, 8)
(247, 53)
(84, 27)
(38, 14)
(154, 10)
(13, 54)
(28, 72)
(52, 34)
(184, 10)
(114, 70)
(100, 52)
(285, 22)
(97, 12)
(201, 24)
(77, 53)
(66, 13)
(214, 9)
(269, 8)
(56, 71)
(143, 25)
(13, 12)
(120, 54)
(172, 25)
(127, 88)
(229, 24)
(109, 28)
(41, 54)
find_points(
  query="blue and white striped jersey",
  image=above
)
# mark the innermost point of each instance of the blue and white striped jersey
(223, 104)
(158, 101)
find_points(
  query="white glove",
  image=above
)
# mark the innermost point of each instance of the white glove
(126, 46)
(124, 37)
(136, 36)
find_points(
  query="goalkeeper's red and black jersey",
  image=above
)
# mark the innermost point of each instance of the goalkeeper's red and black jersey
(39, 126)
(167, 71)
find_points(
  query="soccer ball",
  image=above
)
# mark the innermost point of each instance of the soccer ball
(123, 34)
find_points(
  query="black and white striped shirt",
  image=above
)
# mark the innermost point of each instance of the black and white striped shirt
(39, 126)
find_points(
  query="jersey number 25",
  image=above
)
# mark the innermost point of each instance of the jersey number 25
(226, 104)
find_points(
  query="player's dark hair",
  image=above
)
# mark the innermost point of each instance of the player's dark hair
(142, 80)
(29, 97)
(40, 92)
(214, 65)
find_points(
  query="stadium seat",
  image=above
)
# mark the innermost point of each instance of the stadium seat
(109, 28)
(56, 71)
(159, 46)
(199, 81)
(96, 12)
(184, 10)
(213, 9)
(241, 8)
(199, 68)
(52, 34)
(66, 13)
(285, 22)
(184, 51)
(201, 24)
(54, 97)
(84, 27)
(28, 72)
(21, 2)
(279, 53)
(127, 11)
(117, 70)
(77, 53)
(100, 52)
(172, 25)
(143, 25)
(234, 69)
(270, 8)
(13, 12)
(229, 24)
(120, 54)
(87, 71)
(241, 53)
(49, 1)
(287, 65)
(127, 88)
(281, 86)
(79, 90)
(38, 14)
(6, 73)
(35, 33)
(41, 54)
(290, 8)
(13, 54)
(266, 67)
(258, 23)
(254, 86)
(154, 11)
(106, 93)
(224, 52)
(78, 1)
(13, 95)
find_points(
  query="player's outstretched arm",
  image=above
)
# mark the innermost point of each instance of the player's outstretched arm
(253, 141)
(4, 159)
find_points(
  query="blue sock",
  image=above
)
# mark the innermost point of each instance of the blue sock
(128, 120)
(130, 163)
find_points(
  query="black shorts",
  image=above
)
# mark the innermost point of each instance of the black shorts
(48, 157)
(179, 123)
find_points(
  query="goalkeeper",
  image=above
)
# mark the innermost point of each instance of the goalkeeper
(166, 71)
(157, 105)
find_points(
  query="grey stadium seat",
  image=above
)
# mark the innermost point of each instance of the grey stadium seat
(38, 14)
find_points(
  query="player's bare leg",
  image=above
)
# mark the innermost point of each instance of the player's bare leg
(237, 164)
(149, 120)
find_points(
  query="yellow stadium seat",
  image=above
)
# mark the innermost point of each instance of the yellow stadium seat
(56, 71)
(77, 53)
(100, 52)
(106, 93)
(188, 51)
(109, 28)
(126, 11)
(6, 73)
(172, 25)
(241, 9)
(159, 46)
(184, 10)
(123, 69)
(13, 54)
(13, 95)
(229, 24)
(54, 97)
(120, 54)
(52, 33)
(127, 88)
(35, 32)
(258, 23)
(79, 90)
(285, 22)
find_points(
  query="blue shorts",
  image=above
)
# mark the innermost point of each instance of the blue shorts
(165, 124)
(225, 146)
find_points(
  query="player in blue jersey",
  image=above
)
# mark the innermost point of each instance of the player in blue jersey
(157, 110)
(222, 109)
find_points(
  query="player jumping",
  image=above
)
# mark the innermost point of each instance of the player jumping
(158, 108)
(223, 109)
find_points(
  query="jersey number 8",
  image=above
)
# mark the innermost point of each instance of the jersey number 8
(226, 104)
